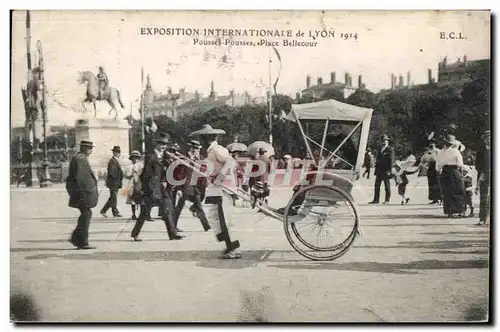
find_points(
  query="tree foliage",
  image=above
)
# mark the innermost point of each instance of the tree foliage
(406, 115)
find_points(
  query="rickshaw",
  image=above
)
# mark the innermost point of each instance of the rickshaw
(335, 136)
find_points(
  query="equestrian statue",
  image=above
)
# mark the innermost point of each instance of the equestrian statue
(98, 89)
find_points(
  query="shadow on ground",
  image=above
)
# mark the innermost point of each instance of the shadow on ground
(477, 312)
(23, 308)
(451, 244)
(395, 268)
(208, 259)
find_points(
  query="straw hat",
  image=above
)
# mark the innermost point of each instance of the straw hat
(135, 154)
(208, 130)
(87, 143)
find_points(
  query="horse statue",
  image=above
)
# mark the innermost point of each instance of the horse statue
(111, 95)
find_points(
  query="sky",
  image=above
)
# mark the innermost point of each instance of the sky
(387, 42)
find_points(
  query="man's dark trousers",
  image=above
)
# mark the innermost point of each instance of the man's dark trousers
(387, 186)
(112, 202)
(484, 199)
(80, 236)
(167, 210)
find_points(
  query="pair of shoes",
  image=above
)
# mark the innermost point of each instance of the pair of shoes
(104, 214)
(374, 202)
(117, 215)
(81, 246)
(177, 237)
(233, 254)
(177, 230)
(136, 239)
(386, 202)
(85, 247)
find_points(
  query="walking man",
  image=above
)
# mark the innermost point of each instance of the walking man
(81, 185)
(368, 163)
(154, 184)
(114, 183)
(190, 189)
(220, 161)
(383, 167)
(483, 167)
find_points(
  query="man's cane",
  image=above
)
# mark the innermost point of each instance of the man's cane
(123, 228)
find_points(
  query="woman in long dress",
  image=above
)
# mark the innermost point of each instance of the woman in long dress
(134, 186)
(428, 168)
(449, 163)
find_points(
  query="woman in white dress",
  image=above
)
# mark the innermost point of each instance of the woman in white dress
(134, 186)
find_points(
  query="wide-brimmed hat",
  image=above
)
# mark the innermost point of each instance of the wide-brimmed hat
(135, 154)
(89, 144)
(208, 130)
(194, 144)
(385, 138)
(457, 144)
(116, 148)
(450, 139)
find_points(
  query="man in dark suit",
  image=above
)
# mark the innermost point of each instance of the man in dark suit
(153, 179)
(483, 168)
(383, 168)
(113, 182)
(81, 185)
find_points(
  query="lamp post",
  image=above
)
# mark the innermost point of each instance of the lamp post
(45, 181)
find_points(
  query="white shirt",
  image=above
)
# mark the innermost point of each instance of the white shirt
(218, 156)
(159, 154)
(449, 157)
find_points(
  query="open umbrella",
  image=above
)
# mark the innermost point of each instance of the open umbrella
(237, 147)
(253, 149)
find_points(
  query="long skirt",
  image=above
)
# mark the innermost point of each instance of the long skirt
(433, 183)
(452, 186)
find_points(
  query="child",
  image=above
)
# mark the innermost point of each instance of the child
(469, 189)
(134, 185)
(401, 177)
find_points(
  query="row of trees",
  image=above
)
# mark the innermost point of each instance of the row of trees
(407, 116)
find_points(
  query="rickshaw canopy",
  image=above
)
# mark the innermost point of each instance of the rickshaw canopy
(328, 109)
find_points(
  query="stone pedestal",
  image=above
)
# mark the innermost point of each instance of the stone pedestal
(105, 133)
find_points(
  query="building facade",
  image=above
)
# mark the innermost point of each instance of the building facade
(320, 89)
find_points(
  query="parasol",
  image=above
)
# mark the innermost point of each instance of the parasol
(237, 147)
(253, 148)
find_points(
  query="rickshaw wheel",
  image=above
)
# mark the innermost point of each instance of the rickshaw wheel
(292, 217)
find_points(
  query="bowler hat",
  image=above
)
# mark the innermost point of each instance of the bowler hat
(116, 148)
(208, 130)
(86, 143)
(162, 140)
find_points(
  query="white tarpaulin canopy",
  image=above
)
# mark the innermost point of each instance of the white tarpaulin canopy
(328, 109)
